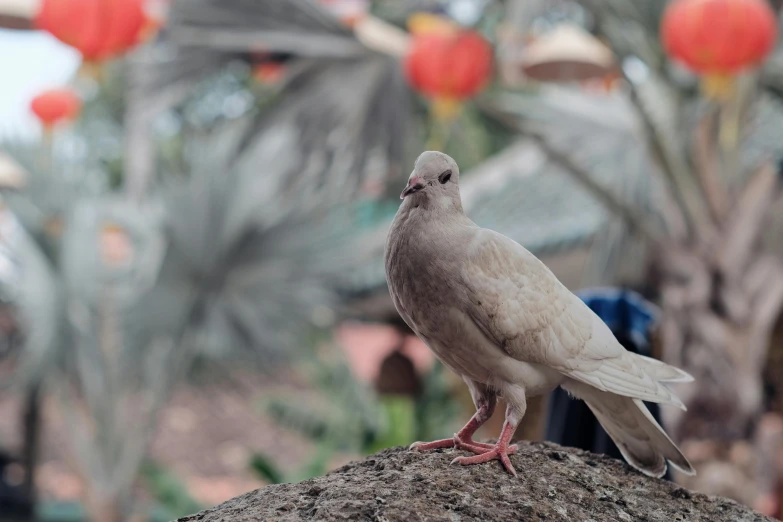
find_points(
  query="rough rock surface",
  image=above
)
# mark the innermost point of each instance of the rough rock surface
(554, 484)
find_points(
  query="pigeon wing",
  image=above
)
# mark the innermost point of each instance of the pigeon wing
(520, 305)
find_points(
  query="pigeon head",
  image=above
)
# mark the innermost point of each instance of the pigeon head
(434, 175)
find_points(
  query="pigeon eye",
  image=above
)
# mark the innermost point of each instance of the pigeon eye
(444, 177)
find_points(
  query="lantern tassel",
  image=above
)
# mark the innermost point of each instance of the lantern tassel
(90, 70)
(47, 158)
(729, 123)
(443, 112)
(437, 138)
(719, 87)
(723, 89)
(446, 109)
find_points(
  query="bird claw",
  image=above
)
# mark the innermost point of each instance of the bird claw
(484, 452)
(479, 448)
(495, 453)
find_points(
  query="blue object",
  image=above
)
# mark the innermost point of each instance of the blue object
(631, 318)
(625, 312)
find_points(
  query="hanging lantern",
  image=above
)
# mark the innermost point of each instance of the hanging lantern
(269, 68)
(566, 54)
(448, 67)
(269, 73)
(99, 29)
(56, 106)
(718, 38)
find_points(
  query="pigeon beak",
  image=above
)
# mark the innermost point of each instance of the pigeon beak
(414, 185)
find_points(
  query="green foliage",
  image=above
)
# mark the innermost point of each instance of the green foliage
(399, 421)
(435, 409)
(266, 469)
(347, 416)
(343, 410)
(316, 466)
(168, 490)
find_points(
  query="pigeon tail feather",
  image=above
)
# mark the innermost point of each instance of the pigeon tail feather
(660, 371)
(638, 436)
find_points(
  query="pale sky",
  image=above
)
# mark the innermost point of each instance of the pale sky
(30, 62)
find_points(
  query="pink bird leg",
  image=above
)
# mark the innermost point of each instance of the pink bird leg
(464, 438)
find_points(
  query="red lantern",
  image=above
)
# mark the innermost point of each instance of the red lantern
(449, 66)
(99, 29)
(718, 38)
(55, 106)
(269, 73)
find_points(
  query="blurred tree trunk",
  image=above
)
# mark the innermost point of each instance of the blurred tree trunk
(31, 423)
(721, 298)
(774, 369)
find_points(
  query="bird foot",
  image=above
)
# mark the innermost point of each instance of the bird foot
(497, 452)
(436, 444)
(479, 448)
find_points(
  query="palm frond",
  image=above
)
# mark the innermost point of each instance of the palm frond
(631, 28)
(30, 284)
(342, 97)
(294, 26)
(601, 135)
(57, 178)
(340, 123)
(253, 279)
(615, 168)
(772, 72)
(83, 264)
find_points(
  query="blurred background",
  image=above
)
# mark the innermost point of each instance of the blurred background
(195, 194)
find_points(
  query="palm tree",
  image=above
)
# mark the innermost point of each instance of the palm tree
(709, 256)
(144, 251)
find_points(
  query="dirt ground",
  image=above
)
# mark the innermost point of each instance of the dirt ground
(554, 484)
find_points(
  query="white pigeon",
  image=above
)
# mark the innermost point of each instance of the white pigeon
(497, 316)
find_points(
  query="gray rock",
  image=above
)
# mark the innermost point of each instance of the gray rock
(554, 484)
